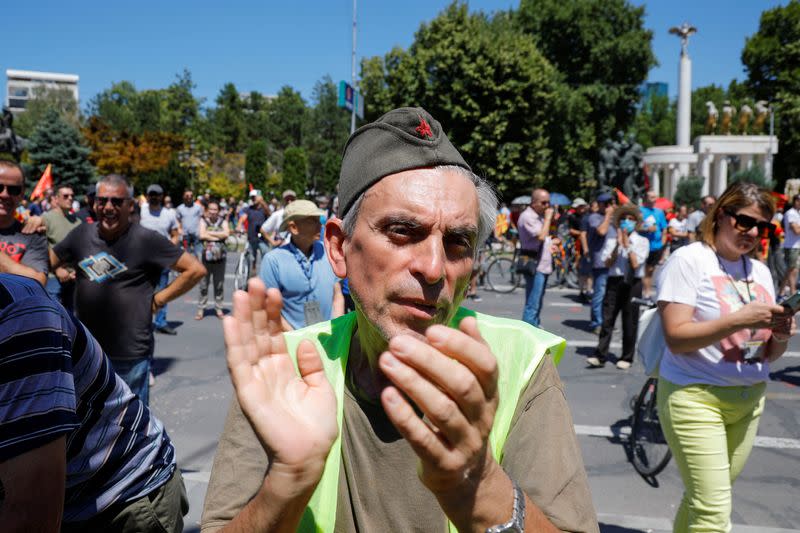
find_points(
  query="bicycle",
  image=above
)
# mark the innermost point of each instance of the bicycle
(501, 273)
(565, 271)
(650, 452)
(243, 268)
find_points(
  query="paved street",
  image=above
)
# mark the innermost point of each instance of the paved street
(192, 393)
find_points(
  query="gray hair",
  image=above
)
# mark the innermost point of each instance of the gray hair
(487, 204)
(114, 180)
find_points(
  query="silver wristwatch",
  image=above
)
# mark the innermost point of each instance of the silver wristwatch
(517, 522)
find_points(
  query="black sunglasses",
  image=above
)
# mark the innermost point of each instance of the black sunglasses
(116, 202)
(745, 223)
(13, 190)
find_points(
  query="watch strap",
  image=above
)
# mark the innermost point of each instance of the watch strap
(517, 522)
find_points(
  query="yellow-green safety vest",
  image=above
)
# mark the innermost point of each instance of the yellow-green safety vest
(519, 348)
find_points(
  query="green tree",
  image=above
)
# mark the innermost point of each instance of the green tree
(287, 116)
(115, 107)
(256, 166)
(327, 132)
(56, 142)
(771, 58)
(295, 170)
(754, 175)
(488, 85)
(257, 113)
(44, 99)
(180, 109)
(689, 191)
(654, 124)
(229, 119)
(603, 53)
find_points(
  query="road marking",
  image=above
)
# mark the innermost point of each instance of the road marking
(200, 477)
(761, 442)
(647, 523)
(616, 345)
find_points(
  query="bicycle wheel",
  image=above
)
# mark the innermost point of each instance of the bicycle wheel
(242, 273)
(501, 275)
(649, 449)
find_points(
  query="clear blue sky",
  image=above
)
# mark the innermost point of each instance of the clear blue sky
(264, 45)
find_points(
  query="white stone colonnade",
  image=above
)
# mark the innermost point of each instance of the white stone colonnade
(708, 158)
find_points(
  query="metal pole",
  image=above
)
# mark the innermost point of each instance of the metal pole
(771, 132)
(353, 73)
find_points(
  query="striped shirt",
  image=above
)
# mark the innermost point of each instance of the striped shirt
(54, 381)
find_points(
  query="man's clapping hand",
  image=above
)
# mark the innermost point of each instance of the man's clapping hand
(294, 416)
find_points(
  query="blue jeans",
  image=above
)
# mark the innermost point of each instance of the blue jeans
(191, 244)
(136, 373)
(160, 320)
(599, 279)
(534, 294)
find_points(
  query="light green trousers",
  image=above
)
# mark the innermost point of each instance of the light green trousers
(710, 431)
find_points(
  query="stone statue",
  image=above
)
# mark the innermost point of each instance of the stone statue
(711, 121)
(745, 112)
(683, 31)
(728, 111)
(762, 110)
(620, 166)
(10, 142)
(607, 166)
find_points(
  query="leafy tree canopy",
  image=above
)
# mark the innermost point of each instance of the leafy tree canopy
(58, 143)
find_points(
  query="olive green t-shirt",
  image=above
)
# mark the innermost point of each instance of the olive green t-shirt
(379, 489)
(59, 225)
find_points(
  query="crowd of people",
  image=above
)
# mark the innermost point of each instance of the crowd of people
(410, 413)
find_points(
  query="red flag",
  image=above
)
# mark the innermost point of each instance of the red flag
(45, 183)
(251, 186)
(621, 197)
(646, 173)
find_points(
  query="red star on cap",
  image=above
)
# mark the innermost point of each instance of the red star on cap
(424, 129)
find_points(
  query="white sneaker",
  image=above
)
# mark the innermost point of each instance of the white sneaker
(623, 365)
(594, 362)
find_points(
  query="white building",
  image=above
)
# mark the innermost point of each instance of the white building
(712, 157)
(20, 86)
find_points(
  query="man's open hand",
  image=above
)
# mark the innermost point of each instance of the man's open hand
(293, 416)
(452, 378)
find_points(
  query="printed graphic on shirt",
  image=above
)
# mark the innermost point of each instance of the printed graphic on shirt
(730, 302)
(101, 267)
(15, 250)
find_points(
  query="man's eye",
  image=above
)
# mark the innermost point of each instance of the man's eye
(399, 230)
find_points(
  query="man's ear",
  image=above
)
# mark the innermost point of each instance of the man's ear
(335, 241)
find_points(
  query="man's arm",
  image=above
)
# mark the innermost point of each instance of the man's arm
(32, 488)
(191, 271)
(602, 229)
(459, 401)
(9, 266)
(294, 419)
(175, 234)
(543, 455)
(545, 231)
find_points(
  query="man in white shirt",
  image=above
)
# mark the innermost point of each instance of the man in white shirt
(697, 216)
(156, 217)
(270, 230)
(791, 245)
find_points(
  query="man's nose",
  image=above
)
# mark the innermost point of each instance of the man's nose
(429, 260)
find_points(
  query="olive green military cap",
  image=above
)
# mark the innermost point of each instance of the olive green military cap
(402, 139)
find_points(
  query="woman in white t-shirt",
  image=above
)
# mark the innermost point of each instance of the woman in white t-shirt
(722, 329)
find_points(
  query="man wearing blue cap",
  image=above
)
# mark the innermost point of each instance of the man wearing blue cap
(596, 227)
